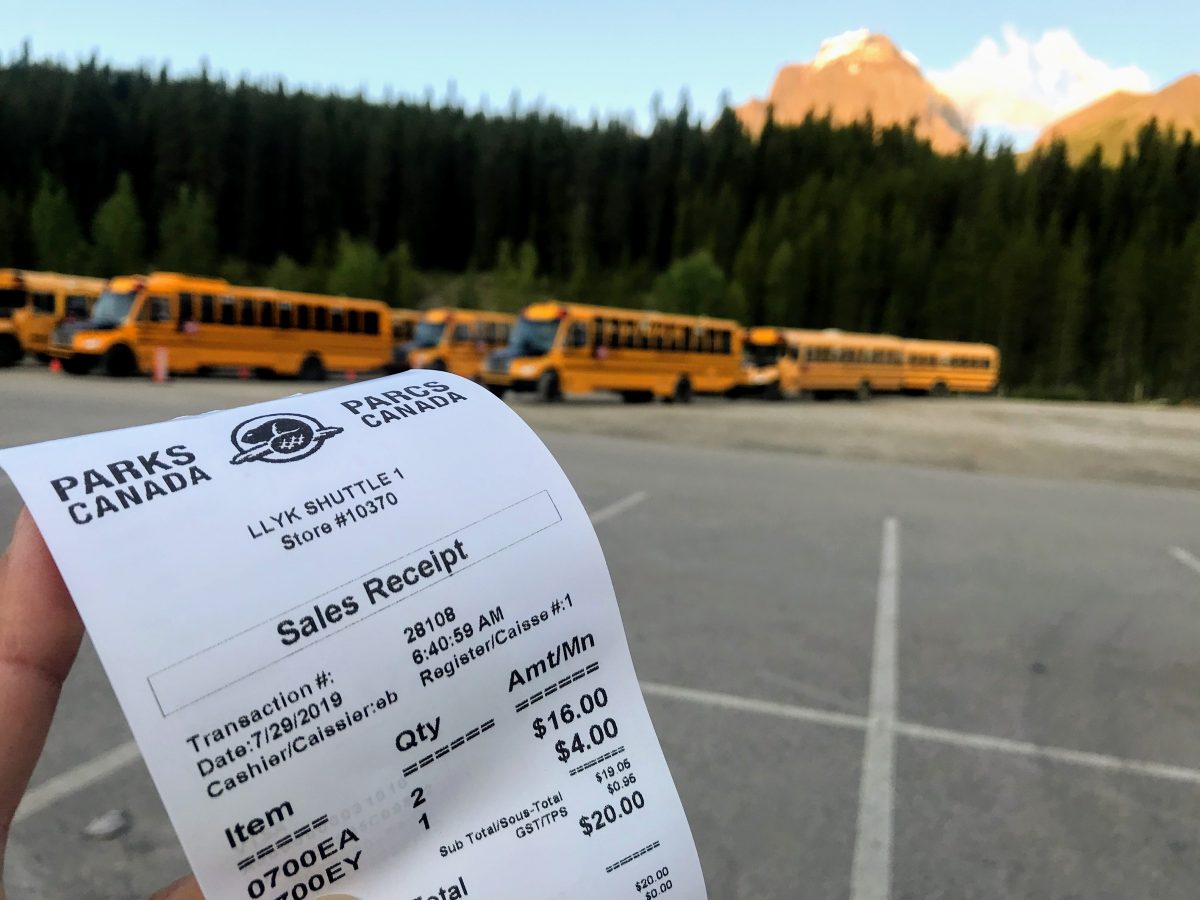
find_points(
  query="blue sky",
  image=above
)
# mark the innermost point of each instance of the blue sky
(607, 57)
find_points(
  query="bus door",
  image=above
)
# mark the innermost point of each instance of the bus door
(158, 325)
(578, 352)
(37, 321)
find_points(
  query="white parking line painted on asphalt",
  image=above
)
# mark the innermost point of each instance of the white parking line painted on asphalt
(762, 707)
(615, 509)
(1052, 754)
(871, 875)
(1082, 758)
(73, 780)
(1185, 558)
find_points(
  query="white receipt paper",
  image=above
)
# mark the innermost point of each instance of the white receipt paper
(369, 647)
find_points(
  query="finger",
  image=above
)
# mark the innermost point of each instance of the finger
(183, 889)
(40, 631)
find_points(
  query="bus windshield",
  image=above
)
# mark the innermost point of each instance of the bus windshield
(533, 338)
(758, 355)
(427, 334)
(10, 299)
(112, 308)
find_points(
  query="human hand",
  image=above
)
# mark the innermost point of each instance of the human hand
(40, 631)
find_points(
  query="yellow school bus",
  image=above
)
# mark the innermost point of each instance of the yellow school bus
(800, 362)
(457, 340)
(33, 303)
(203, 324)
(944, 367)
(570, 348)
(404, 325)
(846, 362)
(770, 363)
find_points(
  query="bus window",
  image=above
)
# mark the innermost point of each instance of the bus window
(43, 303)
(185, 308)
(462, 333)
(577, 336)
(77, 306)
(158, 309)
(321, 319)
(337, 320)
(371, 322)
(352, 322)
(228, 311)
(206, 308)
(303, 317)
(285, 315)
(247, 311)
(266, 314)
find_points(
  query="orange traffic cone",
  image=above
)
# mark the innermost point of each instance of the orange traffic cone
(161, 366)
(55, 365)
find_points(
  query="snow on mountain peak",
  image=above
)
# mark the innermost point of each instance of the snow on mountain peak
(844, 44)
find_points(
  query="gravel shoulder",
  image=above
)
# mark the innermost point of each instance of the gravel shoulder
(1152, 445)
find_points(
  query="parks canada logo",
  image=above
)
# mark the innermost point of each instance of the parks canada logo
(279, 438)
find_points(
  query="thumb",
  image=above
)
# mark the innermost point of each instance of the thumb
(183, 889)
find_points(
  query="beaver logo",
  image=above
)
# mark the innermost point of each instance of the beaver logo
(279, 438)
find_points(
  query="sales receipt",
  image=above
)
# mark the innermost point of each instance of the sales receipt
(369, 647)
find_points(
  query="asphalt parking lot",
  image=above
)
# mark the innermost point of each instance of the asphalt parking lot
(870, 679)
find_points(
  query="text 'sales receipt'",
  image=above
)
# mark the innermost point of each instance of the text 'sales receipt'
(369, 647)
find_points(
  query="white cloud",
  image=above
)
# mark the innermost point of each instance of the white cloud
(1022, 86)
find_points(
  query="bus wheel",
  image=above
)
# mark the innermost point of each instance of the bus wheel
(265, 373)
(438, 365)
(773, 391)
(312, 369)
(498, 390)
(548, 388)
(119, 361)
(637, 396)
(863, 393)
(10, 351)
(683, 390)
(940, 390)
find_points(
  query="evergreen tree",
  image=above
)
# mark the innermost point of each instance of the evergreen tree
(358, 270)
(782, 287)
(402, 285)
(750, 271)
(286, 274)
(58, 244)
(1121, 373)
(1071, 292)
(692, 285)
(12, 233)
(187, 234)
(1189, 348)
(118, 232)
(527, 267)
